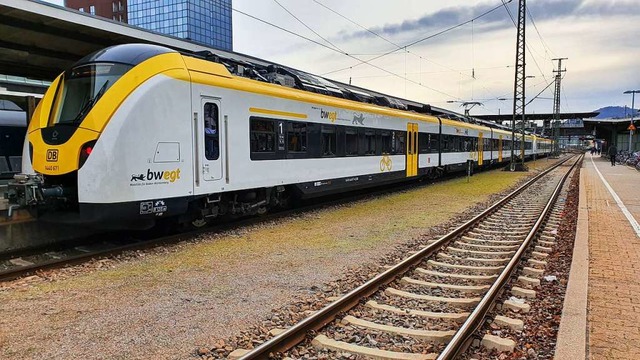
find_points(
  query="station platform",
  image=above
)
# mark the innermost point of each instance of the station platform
(601, 313)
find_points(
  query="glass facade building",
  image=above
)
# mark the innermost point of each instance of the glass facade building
(203, 21)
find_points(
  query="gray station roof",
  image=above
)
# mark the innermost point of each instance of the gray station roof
(40, 40)
(546, 116)
(611, 120)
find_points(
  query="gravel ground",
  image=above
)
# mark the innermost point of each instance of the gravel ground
(538, 339)
(181, 300)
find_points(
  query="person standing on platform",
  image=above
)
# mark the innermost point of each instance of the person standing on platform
(612, 154)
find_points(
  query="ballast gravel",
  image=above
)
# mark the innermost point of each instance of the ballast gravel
(209, 296)
(538, 338)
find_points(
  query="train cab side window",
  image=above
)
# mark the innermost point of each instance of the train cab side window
(263, 136)
(351, 139)
(385, 138)
(211, 133)
(297, 137)
(329, 139)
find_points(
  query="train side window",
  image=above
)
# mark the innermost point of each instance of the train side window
(369, 142)
(329, 140)
(454, 143)
(351, 140)
(385, 138)
(467, 145)
(398, 142)
(423, 143)
(263, 136)
(433, 143)
(211, 133)
(297, 137)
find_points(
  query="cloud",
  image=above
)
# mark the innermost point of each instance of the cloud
(497, 19)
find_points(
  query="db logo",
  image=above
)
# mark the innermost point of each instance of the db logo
(52, 155)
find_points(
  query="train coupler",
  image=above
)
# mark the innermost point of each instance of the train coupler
(24, 191)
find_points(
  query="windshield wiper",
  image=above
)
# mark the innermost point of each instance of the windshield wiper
(89, 104)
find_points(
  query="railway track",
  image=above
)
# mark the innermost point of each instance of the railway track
(17, 264)
(429, 305)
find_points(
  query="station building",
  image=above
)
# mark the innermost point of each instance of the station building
(206, 22)
(203, 21)
(110, 9)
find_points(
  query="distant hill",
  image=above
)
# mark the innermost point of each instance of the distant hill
(615, 112)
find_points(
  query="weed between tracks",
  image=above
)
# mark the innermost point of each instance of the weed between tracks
(320, 234)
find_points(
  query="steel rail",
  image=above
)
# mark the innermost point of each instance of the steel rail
(476, 318)
(322, 317)
(22, 271)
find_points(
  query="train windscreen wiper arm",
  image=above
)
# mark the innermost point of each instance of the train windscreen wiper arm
(89, 104)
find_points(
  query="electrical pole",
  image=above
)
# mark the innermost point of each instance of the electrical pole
(556, 106)
(519, 86)
(633, 105)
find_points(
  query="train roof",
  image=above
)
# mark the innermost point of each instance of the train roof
(262, 70)
(268, 72)
(289, 77)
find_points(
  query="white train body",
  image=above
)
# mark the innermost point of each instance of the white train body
(172, 135)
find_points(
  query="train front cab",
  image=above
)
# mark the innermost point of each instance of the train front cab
(62, 181)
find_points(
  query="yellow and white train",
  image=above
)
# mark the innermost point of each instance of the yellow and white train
(134, 133)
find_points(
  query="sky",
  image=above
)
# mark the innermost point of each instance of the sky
(453, 59)
(474, 62)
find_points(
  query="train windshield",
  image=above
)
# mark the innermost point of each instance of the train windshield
(81, 88)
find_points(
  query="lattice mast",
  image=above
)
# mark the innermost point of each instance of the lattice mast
(519, 83)
(556, 106)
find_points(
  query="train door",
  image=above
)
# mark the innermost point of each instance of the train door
(480, 149)
(210, 139)
(412, 149)
(500, 148)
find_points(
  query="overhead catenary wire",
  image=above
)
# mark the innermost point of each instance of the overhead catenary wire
(308, 27)
(400, 47)
(413, 43)
(544, 44)
(535, 97)
(340, 52)
(504, 3)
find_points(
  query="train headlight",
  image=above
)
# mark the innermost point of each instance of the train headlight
(86, 150)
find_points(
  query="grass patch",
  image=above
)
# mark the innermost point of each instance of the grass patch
(350, 228)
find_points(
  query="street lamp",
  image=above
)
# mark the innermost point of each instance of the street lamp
(500, 99)
(633, 98)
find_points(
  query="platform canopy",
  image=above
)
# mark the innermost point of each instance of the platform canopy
(39, 40)
(532, 117)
